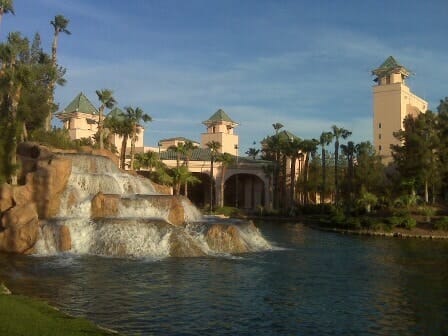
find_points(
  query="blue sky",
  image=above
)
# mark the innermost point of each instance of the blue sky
(305, 64)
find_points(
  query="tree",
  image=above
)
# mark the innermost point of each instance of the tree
(59, 24)
(291, 149)
(105, 96)
(214, 147)
(308, 148)
(179, 151)
(135, 116)
(417, 158)
(349, 151)
(189, 147)
(118, 123)
(148, 160)
(226, 160)
(253, 152)
(324, 140)
(15, 75)
(337, 134)
(6, 7)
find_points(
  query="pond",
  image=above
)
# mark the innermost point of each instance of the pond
(311, 283)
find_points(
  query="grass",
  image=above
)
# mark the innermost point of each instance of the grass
(21, 316)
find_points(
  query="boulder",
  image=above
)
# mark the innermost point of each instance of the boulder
(104, 205)
(48, 182)
(225, 238)
(65, 241)
(20, 229)
(6, 198)
(176, 215)
(183, 246)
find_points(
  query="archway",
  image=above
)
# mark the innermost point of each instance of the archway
(244, 191)
(199, 193)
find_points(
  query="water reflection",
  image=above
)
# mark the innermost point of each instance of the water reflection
(318, 284)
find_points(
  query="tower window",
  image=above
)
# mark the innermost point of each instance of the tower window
(379, 136)
(379, 125)
(379, 147)
(388, 79)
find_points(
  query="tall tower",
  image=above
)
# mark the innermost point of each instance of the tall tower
(392, 102)
(220, 128)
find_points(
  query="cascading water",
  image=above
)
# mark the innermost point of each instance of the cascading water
(140, 225)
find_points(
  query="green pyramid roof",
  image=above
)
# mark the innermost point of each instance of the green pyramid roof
(80, 104)
(219, 116)
(390, 65)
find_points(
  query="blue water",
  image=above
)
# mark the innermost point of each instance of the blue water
(315, 283)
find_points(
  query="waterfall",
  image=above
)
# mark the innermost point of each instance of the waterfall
(138, 222)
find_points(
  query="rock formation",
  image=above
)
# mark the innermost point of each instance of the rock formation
(44, 177)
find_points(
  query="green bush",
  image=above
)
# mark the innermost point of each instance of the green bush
(409, 222)
(228, 211)
(442, 223)
(406, 221)
(57, 137)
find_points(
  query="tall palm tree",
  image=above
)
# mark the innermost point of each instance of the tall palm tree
(16, 74)
(276, 147)
(189, 147)
(295, 146)
(349, 151)
(214, 147)
(106, 97)
(135, 116)
(118, 123)
(6, 7)
(59, 24)
(324, 140)
(226, 160)
(309, 148)
(253, 152)
(179, 151)
(337, 134)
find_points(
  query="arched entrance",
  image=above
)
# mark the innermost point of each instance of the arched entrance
(244, 191)
(199, 193)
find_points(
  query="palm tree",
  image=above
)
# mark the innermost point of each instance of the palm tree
(59, 24)
(337, 134)
(277, 126)
(189, 147)
(118, 123)
(253, 152)
(16, 74)
(309, 148)
(147, 160)
(179, 150)
(324, 140)
(135, 116)
(226, 160)
(6, 6)
(349, 151)
(105, 96)
(214, 147)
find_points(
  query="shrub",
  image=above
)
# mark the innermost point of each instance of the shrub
(442, 223)
(57, 137)
(228, 211)
(409, 222)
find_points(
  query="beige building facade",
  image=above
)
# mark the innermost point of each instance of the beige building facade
(220, 128)
(80, 118)
(392, 102)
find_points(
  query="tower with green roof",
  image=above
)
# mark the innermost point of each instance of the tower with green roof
(80, 117)
(220, 128)
(392, 102)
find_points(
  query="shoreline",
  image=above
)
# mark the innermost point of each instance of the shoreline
(415, 233)
(25, 315)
